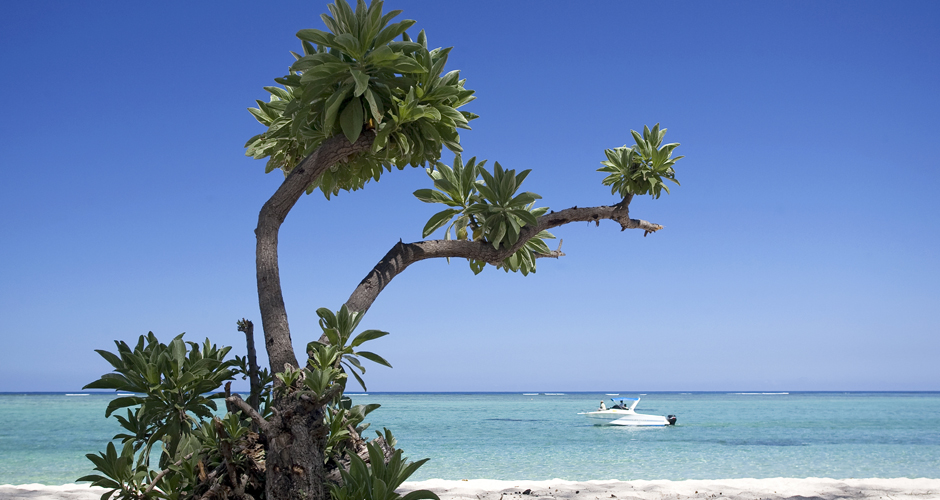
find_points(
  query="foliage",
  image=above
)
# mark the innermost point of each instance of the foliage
(356, 77)
(340, 418)
(172, 413)
(175, 383)
(338, 329)
(353, 79)
(378, 480)
(486, 204)
(119, 472)
(640, 169)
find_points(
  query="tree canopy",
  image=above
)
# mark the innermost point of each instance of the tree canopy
(361, 98)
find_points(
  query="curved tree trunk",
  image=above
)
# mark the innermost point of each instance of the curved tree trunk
(294, 463)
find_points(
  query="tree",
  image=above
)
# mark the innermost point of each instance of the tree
(364, 98)
(357, 103)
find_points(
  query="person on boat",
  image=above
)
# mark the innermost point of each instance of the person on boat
(603, 406)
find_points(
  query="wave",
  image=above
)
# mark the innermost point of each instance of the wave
(78, 394)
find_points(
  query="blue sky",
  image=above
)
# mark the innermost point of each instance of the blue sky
(800, 252)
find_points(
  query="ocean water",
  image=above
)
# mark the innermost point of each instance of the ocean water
(44, 437)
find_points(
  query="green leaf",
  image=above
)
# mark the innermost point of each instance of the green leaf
(371, 356)
(362, 82)
(432, 196)
(118, 403)
(332, 105)
(527, 217)
(406, 65)
(349, 44)
(438, 220)
(375, 106)
(393, 31)
(381, 55)
(420, 495)
(316, 36)
(367, 336)
(351, 120)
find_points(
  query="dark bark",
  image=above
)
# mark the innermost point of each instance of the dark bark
(254, 394)
(295, 436)
(403, 255)
(294, 459)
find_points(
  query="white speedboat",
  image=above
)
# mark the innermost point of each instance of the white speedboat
(623, 414)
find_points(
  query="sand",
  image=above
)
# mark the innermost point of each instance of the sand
(485, 489)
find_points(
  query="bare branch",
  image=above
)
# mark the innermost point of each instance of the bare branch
(246, 408)
(554, 254)
(403, 255)
(248, 328)
(165, 471)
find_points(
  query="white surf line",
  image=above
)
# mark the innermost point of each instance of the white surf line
(78, 394)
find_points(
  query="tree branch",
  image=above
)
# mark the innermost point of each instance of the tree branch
(403, 255)
(554, 254)
(165, 471)
(271, 300)
(246, 408)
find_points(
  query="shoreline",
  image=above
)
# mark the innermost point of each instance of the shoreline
(487, 489)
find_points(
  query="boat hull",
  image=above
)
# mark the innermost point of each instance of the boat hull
(625, 418)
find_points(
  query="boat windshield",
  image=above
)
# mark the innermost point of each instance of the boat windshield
(624, 403)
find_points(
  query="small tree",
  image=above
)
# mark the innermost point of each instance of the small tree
(361, 99)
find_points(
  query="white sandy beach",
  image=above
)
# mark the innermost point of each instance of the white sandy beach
(485, 489)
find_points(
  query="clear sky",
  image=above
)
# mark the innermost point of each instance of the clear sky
(800, 253)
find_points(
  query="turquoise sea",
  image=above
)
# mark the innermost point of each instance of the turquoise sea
(44, 436)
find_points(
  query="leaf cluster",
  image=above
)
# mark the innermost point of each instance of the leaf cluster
(175, 382)
(120, 473)
(338, 329)
(641, 169)
(378, 480)
(357, 77)
(170, 412)
(340, 418)
(485, 206)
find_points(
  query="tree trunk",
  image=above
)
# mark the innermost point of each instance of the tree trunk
(296, 436)
(277, 339)
(294, 459)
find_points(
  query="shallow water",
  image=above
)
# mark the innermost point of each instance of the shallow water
(44, 437)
